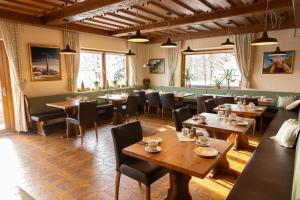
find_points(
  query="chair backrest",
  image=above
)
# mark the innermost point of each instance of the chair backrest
(153, 99)
(223, 100)
(132, 104)
(180, 115)
(141, 95)
(252, 100)
(87, 112)
(200, 102)
(123, 136)
(168, 100)
(209, 105)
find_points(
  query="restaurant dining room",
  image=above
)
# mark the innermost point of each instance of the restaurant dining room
(149, 99)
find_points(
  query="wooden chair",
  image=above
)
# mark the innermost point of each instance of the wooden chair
(223, 100)
(87, 114)
(167, 102)
(154, 101)
(209, 105)
(131, 107)
(180, 115)
(200, 102)
(139, 170)
(141, 95)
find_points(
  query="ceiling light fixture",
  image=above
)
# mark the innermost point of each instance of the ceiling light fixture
(228, 43)
(168, 43)
(138, 37)
(67, 50)
(188, 49)
(277, 51)
(265, 39)
(129, 53)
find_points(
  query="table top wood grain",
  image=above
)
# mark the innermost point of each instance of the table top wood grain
(180, 156)
(64, 104)
(215, 123)
(245, 110)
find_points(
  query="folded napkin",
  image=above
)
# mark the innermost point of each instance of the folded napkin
(183, 138)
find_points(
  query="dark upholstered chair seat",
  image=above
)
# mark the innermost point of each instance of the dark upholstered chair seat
(48, 116)
(180, 115)
(104, 106)
(142, 171)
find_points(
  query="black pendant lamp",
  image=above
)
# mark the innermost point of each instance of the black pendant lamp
(265, 39)
(138, 37)
(130, 53)
(67, 50)
(278, 52)
(228, 43)
(168, 43)
(188, 49)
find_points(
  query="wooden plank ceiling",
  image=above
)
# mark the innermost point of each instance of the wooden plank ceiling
(119, 18)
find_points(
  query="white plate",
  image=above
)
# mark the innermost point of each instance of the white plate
(202, 144)
(147, 139)
(158, 149)
(242, 123)
(206, 152)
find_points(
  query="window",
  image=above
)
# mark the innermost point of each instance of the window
(115, 68)
(90, 69)
(206, 68)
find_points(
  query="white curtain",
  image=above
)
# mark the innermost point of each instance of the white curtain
(172, 55)
(12, 35)
(132, 63)
(72, 61)
(244, 55)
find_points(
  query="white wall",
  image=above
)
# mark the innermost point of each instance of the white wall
(271, 82)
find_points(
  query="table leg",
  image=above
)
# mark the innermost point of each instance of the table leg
(261, 124)
(118, 118)
(70, 128)
(254, 127)
(179, 186)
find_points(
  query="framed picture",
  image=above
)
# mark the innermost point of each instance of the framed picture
(156, 66)
(45, 63)
(278, 64)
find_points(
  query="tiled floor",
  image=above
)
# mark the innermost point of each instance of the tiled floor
(37, 167)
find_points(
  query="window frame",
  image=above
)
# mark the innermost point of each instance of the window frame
(199, 52)
(103, 53)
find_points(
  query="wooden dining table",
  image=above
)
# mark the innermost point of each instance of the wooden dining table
(246, 111)
(181, 161)
(116, 100)
(220, 125)
(69, 108)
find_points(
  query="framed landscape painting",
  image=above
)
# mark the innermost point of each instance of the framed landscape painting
(278, 64)
(45, 63)
(156, 66)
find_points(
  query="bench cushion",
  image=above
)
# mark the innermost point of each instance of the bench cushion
(48, 116)
(269, 173)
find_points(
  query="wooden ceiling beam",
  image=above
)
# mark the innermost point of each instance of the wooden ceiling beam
(149, 12)
(125, 18)
(165, 8)
(233, 22)
(207, 4)
(219, 32)
(182, 4)
(105, 23)
(296, 6)
(77, 11)
(134, 15)
(115, 21)
(204, 17)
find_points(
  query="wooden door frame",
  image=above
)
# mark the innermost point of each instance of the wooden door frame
(5, 82)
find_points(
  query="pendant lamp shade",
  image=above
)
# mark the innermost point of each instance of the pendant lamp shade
(228, 43)
(130, 53)
(264, 40)
(168, 44)
(67, 51)
(188, 50)
(278, 52)
(138, 37)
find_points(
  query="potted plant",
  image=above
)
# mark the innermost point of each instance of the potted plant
(188, 77)
(146, 83)
(218, 82)
(229, 76)
(118, 76)
(96, 83)
(115, 83)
